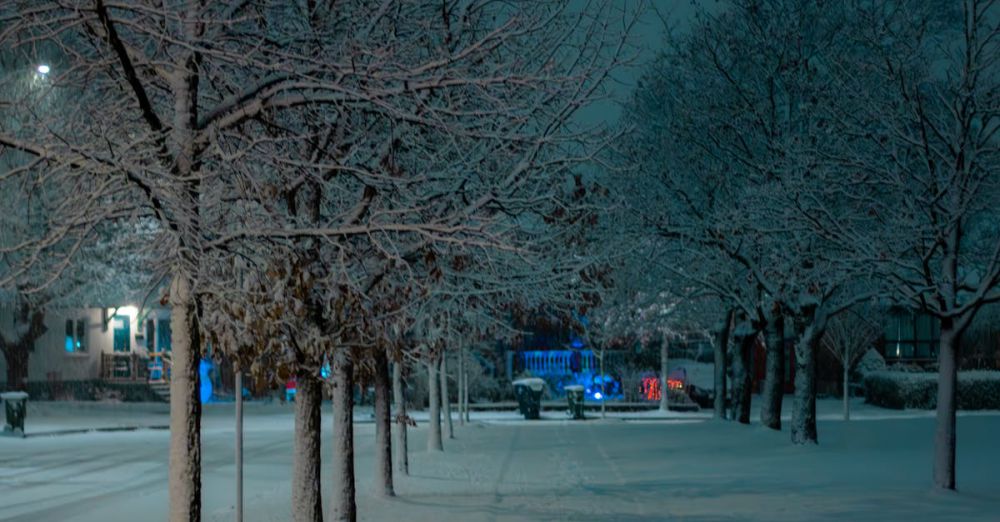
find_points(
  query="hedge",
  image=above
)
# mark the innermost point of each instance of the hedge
(977, 390)
(91, 390)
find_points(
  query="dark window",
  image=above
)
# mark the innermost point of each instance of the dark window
(151, 335)
(911, 335)
(122, 333)
(81, 335)
(70, 342)
(163, 333)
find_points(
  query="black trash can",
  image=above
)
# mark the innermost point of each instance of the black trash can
(529, 396)
(574, 395)
(15, 407)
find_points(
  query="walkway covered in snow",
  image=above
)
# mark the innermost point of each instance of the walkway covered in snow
(637, 470)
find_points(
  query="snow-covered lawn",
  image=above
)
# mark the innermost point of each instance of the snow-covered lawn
(495, 469)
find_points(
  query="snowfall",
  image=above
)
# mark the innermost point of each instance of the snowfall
(627, 467)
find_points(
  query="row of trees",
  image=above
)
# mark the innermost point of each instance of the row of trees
(321, 182)
(798, 158)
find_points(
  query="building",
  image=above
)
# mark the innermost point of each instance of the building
(85, 346)
(910, 336)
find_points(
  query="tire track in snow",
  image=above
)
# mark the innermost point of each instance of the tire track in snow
(615, 469)
(504, 468)
(96, 495)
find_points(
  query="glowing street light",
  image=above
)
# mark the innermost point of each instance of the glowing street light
(43, 69)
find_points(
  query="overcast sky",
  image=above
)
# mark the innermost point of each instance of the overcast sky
(648, 36)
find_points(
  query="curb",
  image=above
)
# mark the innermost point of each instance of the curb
(56, 433)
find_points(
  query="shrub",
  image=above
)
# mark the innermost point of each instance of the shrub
(977, 390)
(870, 362)
(91, 390)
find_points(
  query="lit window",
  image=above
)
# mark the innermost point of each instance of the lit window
(70, 342)
(76, 336)
(81, 335)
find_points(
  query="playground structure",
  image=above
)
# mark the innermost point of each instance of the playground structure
(561, 368)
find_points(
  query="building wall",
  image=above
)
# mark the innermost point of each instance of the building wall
(51, 361)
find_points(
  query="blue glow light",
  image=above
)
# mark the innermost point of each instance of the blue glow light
(206, 383)
(597, 395)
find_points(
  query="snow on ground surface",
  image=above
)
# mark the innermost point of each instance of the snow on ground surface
(499, 469)
(61, 416)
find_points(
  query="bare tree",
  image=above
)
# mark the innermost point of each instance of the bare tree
(741, 175)
(196, 118)
(401, 418)
(925, 150)
(847, 338)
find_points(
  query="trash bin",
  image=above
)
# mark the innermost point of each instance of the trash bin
(15, 405)
(529, 396)
(574, 394)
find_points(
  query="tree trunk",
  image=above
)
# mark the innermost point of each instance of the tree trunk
(773, 389)
(17, 351)
(399, 398)
(445, 399)
(721, 348)
(664, 374)
(847, 388)
(17, 365)
(434, 442)
(804, 410)
(742, 375)
(383, 427)
(184, 475)
(604, 390)
(944, 432)
(343, 507)
(307, 505)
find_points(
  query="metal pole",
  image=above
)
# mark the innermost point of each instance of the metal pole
(604, 389)
(239, 445)
(461, 385)
(465, 384)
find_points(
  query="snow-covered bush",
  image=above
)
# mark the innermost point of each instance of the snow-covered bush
(902, 367)
(870, 362)
(977, 390)
(899, 390)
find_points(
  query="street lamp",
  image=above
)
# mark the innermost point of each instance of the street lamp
(41, 75)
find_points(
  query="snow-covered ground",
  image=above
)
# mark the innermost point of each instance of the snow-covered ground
(501, 469)
(61, 416)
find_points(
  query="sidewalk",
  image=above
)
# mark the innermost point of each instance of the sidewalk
(46, 418)
(67, 417)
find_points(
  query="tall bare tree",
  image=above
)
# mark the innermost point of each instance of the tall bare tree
(925, 147)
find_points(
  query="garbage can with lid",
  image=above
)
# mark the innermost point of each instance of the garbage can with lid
(574, 395)
(529, 396)
(15, 406)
